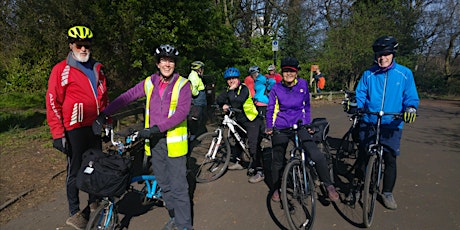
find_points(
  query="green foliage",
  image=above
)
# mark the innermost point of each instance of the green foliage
(21, 119)
(19, 100)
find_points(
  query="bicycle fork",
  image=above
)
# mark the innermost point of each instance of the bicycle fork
(215, 144)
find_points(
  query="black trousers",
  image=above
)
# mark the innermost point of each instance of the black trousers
(79, 140)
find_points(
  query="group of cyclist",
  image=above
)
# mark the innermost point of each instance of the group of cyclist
(77, 108)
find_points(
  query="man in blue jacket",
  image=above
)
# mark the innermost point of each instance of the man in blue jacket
(389, 87)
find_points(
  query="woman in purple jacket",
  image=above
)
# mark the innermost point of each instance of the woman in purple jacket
(289, 102)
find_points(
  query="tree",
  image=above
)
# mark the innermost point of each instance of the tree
(347, 50)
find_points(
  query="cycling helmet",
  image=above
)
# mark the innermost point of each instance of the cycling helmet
(79, 33)
(271, 67)
(253, 69)
(231, 72)
(385, 44)
(290, 63)
(166, 51)
(197, 65)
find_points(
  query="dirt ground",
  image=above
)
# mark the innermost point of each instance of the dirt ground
(34, 173)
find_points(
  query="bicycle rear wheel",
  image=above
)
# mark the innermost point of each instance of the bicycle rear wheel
(298, 196)
(371, 189)
(104, 217)
(207, 168)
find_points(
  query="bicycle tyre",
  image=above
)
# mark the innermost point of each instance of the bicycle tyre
(104, 217)
(298, 196)
(345, 152)
(371, 189)
(205, 168)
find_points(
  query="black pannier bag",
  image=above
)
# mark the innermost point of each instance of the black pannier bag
(323, 125)
(104, 174)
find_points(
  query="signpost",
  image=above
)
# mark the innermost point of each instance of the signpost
(274, 49)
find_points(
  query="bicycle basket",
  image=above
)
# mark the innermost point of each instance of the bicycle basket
(323, 125)
(104, 174)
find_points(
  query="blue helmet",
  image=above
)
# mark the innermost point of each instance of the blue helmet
(231, 72)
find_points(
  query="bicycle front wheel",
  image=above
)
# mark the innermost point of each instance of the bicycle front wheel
(208, 166)
(298, 196)
(371, 189)
(104, 217)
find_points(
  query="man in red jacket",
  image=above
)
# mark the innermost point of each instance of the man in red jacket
(76, 94)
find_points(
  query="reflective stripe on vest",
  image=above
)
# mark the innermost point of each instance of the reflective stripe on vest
(176, 138)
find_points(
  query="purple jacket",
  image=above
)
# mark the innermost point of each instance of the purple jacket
(287, 105)
(159, 106)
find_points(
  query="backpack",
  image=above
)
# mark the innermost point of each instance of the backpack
(268, 86)
(104, 174)
(321, 82)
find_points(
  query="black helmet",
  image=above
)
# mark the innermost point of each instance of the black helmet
(291, 63)
(166, 51)
(385, 44)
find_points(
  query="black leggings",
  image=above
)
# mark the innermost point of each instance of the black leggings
(280, 140)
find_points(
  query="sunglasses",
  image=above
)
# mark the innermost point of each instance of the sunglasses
(79, 46)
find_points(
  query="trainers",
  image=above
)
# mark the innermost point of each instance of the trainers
(235, 166)
(389, 201)
(332, 193)
(77, 221)
(276, 196)
(257, 178)
(170, 225)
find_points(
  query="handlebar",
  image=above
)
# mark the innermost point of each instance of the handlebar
(397, 115)
(129, 134)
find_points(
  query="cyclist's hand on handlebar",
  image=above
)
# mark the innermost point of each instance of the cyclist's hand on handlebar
(225, 107)
(269, 131)
(60, 144)
(410, 114)
(98, 123)
(147, 132)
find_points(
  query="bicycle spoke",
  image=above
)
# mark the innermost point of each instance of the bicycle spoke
(298, 198)
(208, 166)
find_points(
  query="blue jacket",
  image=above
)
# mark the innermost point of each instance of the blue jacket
(287, 105)
(261, 84)
(389, 90)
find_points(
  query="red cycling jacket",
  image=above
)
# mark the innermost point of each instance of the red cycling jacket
(70, 100)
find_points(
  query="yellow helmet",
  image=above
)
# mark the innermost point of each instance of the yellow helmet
(197, 65)
(79, 33)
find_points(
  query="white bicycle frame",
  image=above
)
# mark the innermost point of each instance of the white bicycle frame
(231, 124)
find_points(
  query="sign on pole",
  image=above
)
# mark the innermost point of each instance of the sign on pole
(275, 45)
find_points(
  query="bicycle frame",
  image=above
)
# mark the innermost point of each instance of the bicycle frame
(374, 165)
(297, 188)
(232, 130)
(106, 215)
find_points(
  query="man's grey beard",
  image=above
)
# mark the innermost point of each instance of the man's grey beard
(80, 59)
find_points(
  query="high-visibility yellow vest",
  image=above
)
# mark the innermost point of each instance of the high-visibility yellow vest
(250, 110)
(176, 138)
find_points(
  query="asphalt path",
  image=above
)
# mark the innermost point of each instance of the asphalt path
(426, 189)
